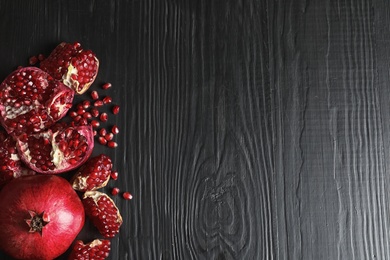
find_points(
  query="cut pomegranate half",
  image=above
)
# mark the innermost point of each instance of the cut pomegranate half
(56, 150)
(31, 100)
(97, 249)
(75, 67)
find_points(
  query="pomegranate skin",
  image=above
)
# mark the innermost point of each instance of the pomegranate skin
(63, 214)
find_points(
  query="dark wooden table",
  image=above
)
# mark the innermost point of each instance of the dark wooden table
(250, 129)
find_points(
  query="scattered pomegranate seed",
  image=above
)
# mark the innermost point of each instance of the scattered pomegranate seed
(115, 129)
(106, 86)
(115, 191)
(33, 60)
(94, 95)
(94, 112)
(87, 115)
(112, 144)
(102, 132)
(41, 57)
(107, 100)
(77, 118)
(115, 109)
(94, 133)
(86, 104)
(98, 103)
(114, 175)
(102, 140)
(127, 196)
(109, 136)
(80, 111)
(73, 114)
(80, 106)
(103, 117)
(95, 123)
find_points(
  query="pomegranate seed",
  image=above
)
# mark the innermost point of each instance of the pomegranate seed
(102, 132)
(103, 117)
(115, 129)
(80, 111)
(41, 57)
(109, 136)
(114, 175)
(72, 114)
(112, 144)
(106, 86)
(127, 196)
(77, 118)
(86, 104)
(115, 109)
(102, 140)
(94, 112)
(87, 115)
(94, 133)
(98, 103)
(95, 123)
(115, 191)
(107, 100)
(33, 60)
(94, 95)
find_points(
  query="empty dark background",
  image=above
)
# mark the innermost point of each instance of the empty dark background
(250, 129)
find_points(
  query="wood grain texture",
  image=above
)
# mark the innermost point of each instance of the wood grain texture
(249, 129)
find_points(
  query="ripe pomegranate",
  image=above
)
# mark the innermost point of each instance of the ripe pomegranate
(31, 100)
(103, 213)
(56, 150)
(94, 174)
(10, 165)
(40, 217)
(98, 249)
(75, 67)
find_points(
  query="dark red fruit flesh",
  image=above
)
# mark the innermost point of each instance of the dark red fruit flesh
(93, 175)
(103, 213)
(75, 67)
(98, 249)
(31, 100)
(56, 150)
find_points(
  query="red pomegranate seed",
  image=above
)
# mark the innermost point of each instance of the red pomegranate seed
(109, 136)
(107, 100)
(106, 86)
(98, 103)
(103, 117)
(72, 114)
(94, 112)
(102, 140)
(94, 133)
(127, 196)
(33, 60)
(112, 144)
(80, 111)
(115, 191)
(115, 129)
(102, 132)
(115, 109)
(95, 123)
(86, 104)
(77, 118)
(41, 57)
(94, 95)
(114, 175)
(87, 115)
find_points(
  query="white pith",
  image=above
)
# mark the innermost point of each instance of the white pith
(56, 154)
(94, 243)
(67, 78)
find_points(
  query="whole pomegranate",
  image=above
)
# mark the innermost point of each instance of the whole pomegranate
(40, 217)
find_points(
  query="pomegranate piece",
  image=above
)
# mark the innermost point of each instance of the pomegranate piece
(56, 150)
(98, 249)
(10, 164)
(103, 213)
(31, 100)
(93, 175)
(75, 67)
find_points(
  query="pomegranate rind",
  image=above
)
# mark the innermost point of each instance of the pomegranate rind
(60, 161)
(64, 61)
(108, 226)
(48, 194)
(98, 249)
(32, 100)
(93, 175)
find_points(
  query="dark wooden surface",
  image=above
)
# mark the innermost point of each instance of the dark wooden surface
(250, 129)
